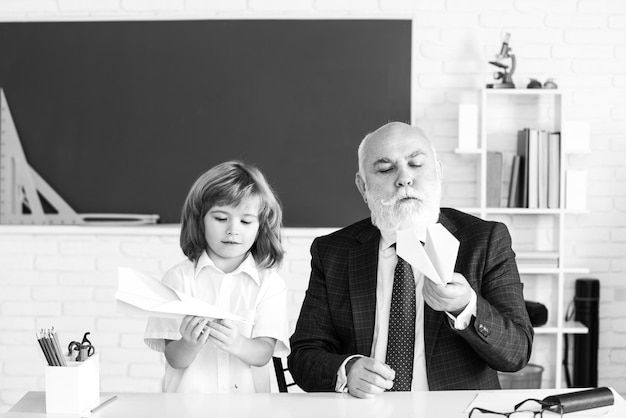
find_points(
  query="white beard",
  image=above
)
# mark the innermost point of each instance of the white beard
(397, 214)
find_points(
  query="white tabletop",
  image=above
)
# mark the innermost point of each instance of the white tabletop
(446, 404)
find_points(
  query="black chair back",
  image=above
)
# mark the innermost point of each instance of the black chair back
(280, 371)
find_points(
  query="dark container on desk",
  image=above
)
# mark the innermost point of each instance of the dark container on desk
(586, 306)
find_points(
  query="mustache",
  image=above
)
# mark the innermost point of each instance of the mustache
(403, 194)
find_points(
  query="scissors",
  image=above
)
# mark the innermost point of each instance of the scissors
(85, 348)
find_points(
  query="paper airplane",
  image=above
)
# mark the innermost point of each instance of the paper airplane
(139, 294)
(436, 258)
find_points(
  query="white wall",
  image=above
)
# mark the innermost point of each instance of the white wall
(66, 278)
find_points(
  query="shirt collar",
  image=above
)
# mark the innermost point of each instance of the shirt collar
(248, 266)
(388, 237)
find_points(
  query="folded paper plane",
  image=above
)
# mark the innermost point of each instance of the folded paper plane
(139, 294)
(436, 258)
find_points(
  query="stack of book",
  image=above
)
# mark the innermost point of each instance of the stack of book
(535, 171)
(537, 260)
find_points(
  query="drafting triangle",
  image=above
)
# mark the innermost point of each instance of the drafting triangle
(20, 185)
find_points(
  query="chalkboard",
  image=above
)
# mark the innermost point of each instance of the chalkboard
(122, 117)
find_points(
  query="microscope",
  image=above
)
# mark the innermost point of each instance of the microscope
(505, 61)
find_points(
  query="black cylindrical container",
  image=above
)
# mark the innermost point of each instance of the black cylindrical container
(586, 304)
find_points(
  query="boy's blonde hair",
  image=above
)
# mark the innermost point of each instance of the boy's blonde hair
(229, 183)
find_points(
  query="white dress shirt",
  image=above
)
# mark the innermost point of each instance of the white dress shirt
(387, 260)
(256, 294)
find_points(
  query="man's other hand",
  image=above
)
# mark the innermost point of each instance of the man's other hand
(368, 377)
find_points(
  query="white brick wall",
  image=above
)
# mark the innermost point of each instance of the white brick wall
(67, 279)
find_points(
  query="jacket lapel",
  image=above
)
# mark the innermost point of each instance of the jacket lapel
(362, 270)
(447, 223)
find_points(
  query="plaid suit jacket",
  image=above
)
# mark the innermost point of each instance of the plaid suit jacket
(338, 313)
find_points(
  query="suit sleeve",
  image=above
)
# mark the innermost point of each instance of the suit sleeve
(315, 347)
(501, 333)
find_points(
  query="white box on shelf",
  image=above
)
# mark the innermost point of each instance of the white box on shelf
(468, 126)
(576, 189)
(576, 137)
(73, 389)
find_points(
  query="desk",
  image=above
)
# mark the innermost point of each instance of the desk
(447, 404)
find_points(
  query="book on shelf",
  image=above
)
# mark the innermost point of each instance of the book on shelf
(554, 169)
(522, 151)
(537, 259)
(543, 163)
(494, 179)
(533, 168)
(515, 189)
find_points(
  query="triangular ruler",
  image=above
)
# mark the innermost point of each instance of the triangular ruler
(21, 188)
(20, 185)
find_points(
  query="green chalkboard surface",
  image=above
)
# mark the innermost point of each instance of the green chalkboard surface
(121, 117)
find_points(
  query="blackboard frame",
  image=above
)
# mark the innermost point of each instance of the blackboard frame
(314, 176)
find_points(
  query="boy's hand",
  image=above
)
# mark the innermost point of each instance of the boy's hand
(225, 335)
(194, 331)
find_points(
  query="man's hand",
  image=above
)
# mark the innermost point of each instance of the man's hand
(368, 377)
(451, 298)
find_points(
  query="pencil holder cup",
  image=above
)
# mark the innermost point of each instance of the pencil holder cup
(74, 388)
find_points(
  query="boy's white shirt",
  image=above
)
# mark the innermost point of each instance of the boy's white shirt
(259, 295)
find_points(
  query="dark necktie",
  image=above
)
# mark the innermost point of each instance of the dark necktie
(401, 336)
